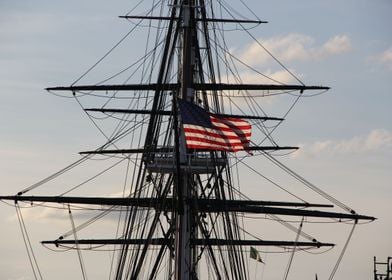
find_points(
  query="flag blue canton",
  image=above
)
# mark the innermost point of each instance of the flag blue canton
(193, 114)
(206, 131)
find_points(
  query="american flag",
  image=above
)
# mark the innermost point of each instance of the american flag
(206, 131)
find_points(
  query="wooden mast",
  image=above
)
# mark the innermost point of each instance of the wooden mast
(186, 207)
(183, 250)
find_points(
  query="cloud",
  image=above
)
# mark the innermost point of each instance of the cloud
(58, 212)
(293, 47)
(281, 76)
(42, 215)
(376, 140)
(384, 58)
(20, 278)
(336, 45)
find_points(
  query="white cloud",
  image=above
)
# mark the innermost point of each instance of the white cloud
(281, 76)
(376, 140)
(385, 58)
(336, 45)
(42, 215)
(58, 212)
(293, 47)
(20, 278)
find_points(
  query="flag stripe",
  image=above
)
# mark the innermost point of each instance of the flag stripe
(216, 133)
(198, 137)
(213, 142)
(203, 130)
(235, 122)
(210, 147)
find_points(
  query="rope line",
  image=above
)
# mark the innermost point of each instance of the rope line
(272, 182)
(293, 251)
(264, 48)
(28, 246)
(54, 175)
(309, 184)
(108, 52)
(335, 268)
(77, 245)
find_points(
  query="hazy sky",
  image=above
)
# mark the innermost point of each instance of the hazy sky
(345, 134)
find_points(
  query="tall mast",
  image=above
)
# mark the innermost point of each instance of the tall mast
(183, 248)
(183, 211)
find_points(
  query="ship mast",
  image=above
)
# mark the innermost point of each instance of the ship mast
(191, 198)
(183, 250)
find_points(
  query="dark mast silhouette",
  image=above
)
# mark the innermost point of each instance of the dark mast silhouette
(183, 200)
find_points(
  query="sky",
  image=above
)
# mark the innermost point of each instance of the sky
(345, 135)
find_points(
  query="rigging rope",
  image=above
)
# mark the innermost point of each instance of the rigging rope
(77, 244)
(54, 175)
(229, 184)
(107, 53)
(308, 184)
(335, 268)
(272, 182)
(112, 257)
(27, 242)
(264, 48)
(293, 251)
(94, 177)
